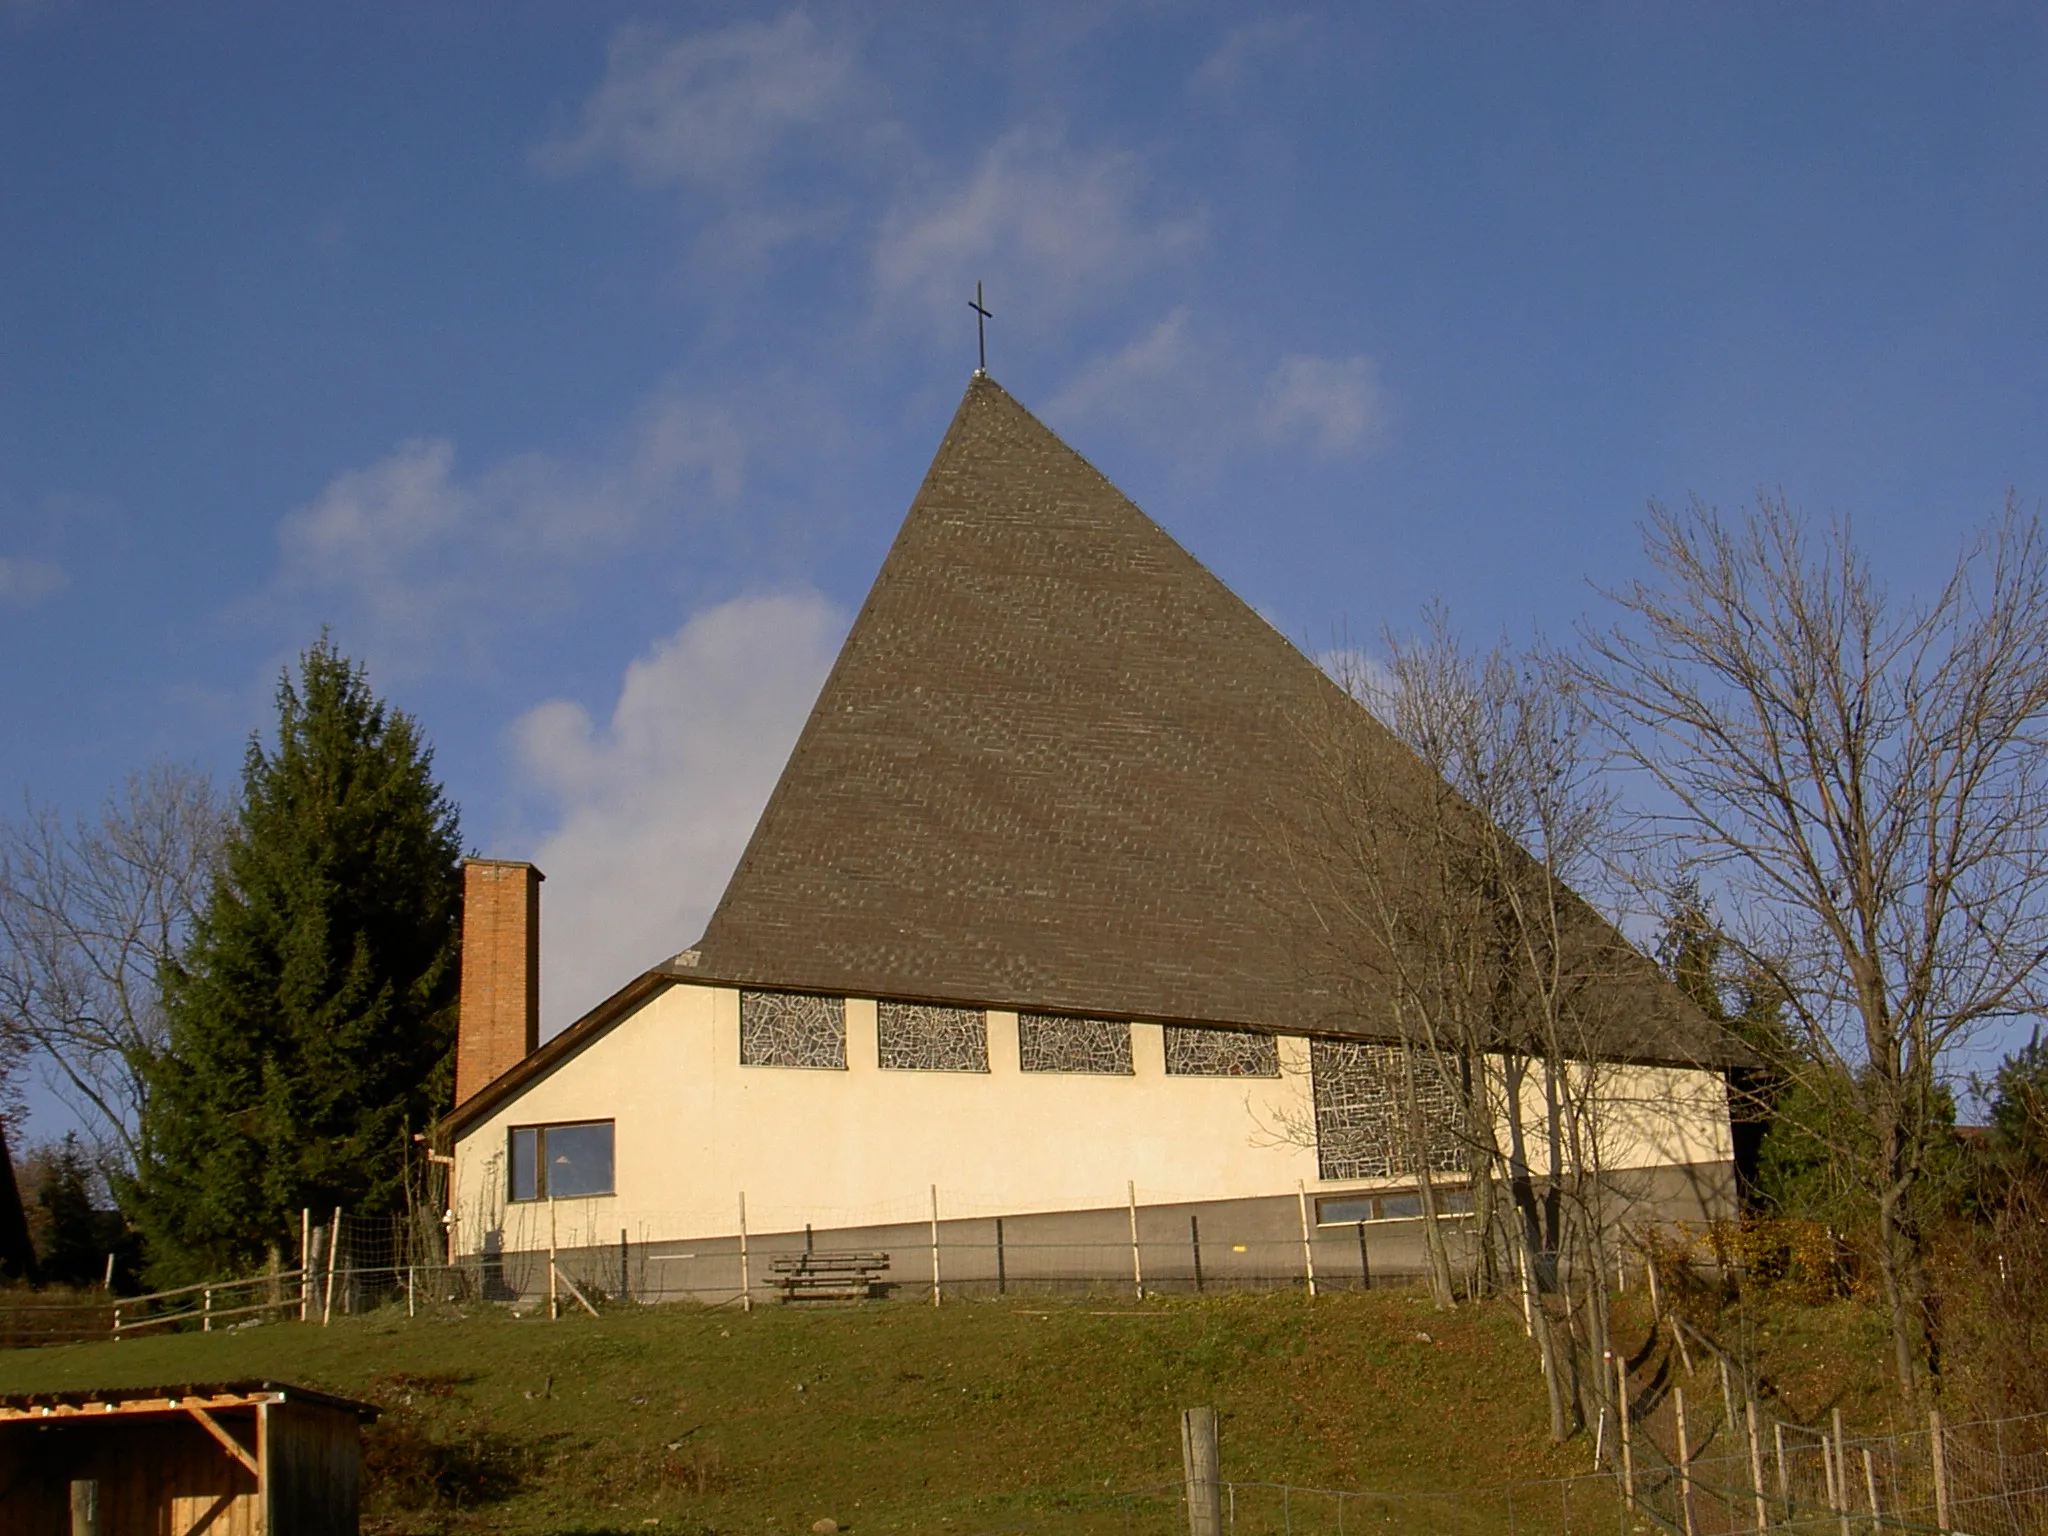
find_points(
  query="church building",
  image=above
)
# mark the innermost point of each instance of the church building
(1013, 955)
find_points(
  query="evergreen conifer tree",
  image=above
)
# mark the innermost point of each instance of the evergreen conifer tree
(312, 1015)
(74, 1241)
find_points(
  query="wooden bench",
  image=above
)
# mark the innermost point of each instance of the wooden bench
(828, 1276)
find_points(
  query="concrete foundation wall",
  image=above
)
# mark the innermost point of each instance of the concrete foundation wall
(1205, 1245)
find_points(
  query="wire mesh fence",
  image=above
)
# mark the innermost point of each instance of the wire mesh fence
(1555, 1507)
(1739, 1473)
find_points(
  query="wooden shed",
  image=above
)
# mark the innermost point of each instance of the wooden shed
(243, 1458)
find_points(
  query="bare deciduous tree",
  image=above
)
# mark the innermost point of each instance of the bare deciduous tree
(89, 913)
(1862, 779)
(1440, 879)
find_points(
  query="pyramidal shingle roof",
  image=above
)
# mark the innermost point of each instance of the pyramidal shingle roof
(1045, 769)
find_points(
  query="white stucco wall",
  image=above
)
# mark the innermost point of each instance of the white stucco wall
(864, 1146)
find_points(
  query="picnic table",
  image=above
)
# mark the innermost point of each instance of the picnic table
(828, 1276)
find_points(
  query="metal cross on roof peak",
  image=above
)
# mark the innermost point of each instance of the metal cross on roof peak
(982, 316)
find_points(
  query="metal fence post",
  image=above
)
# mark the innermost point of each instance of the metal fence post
(935, 1245)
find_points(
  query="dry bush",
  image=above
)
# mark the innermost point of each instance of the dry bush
(410, 1465)
(1994, 1306)
(1797, 1261)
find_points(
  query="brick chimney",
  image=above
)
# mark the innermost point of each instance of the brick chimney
(500, 1020)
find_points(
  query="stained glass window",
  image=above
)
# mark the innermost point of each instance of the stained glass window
(1220, 1053)
(792, 1029)
(1056, 1042)
(921, 1037)
(1361, 1127)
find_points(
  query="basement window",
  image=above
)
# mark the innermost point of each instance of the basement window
(1393, 1205)
(562, 1162)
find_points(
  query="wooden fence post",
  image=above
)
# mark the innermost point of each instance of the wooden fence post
(935, 1246)
(1684, 1465)
(554, 1281)
(1756, 1467)
(1938, 1450)
(333, 1250)
(746, 1279)
(1308, 1252)
(1202, 1463)
(1137, 1264)
(1784, 1477)
(1841, 1474)
(1628, 1454)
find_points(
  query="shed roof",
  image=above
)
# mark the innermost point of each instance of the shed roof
(214, 1396)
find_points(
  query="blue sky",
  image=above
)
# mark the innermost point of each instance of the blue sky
(576, 363)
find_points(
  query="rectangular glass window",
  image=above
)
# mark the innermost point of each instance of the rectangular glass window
(1332, 1213)
(562, 1162)
(526, 1164)
(1397, 1205)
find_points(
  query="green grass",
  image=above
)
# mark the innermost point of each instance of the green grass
(975, 1417)
(885, 1418)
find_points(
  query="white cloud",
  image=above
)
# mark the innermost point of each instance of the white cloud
(1246, 50)
(1337, 404)
(25, 581)
(656, 805)
(1036, 217)
(712, 106)
(1108, 385)
(422, 559)
(1361, 674)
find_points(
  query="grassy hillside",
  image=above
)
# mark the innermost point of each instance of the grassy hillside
(886, 1418)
